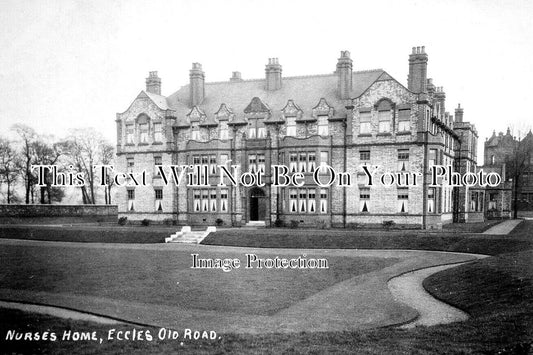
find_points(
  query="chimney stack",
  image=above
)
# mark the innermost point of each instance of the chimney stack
(153, 83)
(418, 65)
(344, 72)
(197, 84)
(459, 114)
(236, 76)
(273, 74)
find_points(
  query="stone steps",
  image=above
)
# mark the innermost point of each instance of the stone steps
(255, 225)
(188, 236)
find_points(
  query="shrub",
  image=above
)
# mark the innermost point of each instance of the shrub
(122, 220)
(279, 223)
(145, 222)
(294, 224)
(388, 224)
(219, 222)
(168, 221)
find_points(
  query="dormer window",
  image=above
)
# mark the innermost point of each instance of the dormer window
(195, 132)
(323, 128)
(291, 126)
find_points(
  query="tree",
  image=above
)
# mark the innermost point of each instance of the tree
(28, 137)
(107, 156)
(517, 163)
(9, 171)
(86, 148)
(48, 153)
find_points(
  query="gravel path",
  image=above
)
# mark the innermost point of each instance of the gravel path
(408, 289)
(58, 312)
(503, 228)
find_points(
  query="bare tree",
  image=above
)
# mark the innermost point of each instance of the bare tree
(48, 153)
(107, 156)
(9, 171)
(27, 154)
(86, 148)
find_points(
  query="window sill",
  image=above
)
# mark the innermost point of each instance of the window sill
(365, 135)
(404, 133)
(129, 144)
(144, 144)
(157, 143)
(384, 134)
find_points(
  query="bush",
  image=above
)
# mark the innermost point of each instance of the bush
(279, 223)
(294, 224)
(122, 220)
(219, 222)
(168, 221)
(145, 222)
(388, 224)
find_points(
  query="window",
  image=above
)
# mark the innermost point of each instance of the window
(492, 159)
(223, 200)
(143, 133)
(324, 161)
(364, 197)
(384, 119)
(403, 159)
(158, 161)
(323, 200)
(158, 132)
(293, 162)
(195, 132)
(291, 126)
(223, 159)
(364, 156)
(404, 117)
(223, 133)
(431, 200)
(131, 199)
(212, 164)
(432, 157)
(256, 129)
(311, 200)
(403, 199)
(130, 162)
(205, 200)
(323, 128)
(365, 119)
(130, 134)
(293, 200)
(302, 163)
(261, 162)
(303, 199)
(158, 200)
(196, 200)
(252, 163)
(311, 165)
(213, 200)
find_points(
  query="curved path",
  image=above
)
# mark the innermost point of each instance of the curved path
(361, 302)
(408, 289)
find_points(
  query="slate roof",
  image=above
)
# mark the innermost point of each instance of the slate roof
(306, 91)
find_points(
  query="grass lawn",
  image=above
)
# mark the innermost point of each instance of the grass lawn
(150, 276)
(497, 292)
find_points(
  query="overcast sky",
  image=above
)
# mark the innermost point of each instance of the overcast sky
(66, 64)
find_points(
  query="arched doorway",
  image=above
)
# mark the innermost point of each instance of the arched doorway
(257, 204)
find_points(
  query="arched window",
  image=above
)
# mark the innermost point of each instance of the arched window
(143, 122)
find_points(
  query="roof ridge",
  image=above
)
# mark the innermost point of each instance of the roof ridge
(291, 77)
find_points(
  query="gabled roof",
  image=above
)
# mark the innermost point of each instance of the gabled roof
(159, 100)
(305, 91)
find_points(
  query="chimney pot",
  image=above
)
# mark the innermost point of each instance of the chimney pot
(273, 74)
(417, 78)
(197, 84)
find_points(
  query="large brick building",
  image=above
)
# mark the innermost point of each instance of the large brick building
(345, 119)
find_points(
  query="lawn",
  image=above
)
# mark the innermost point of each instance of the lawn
(151, 276)
(497, 292)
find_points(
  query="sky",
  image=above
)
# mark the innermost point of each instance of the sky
(71, 64)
